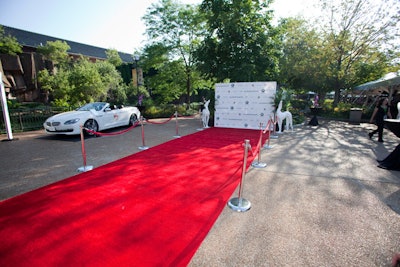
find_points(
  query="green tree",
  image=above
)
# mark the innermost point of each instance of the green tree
(57, 85)
(56, 51)
(357, 31)
(241, 44)
(169, 83)
(112, 80)
(86, 83)
(56, 81)
(154, 58)
(9, 44)
(177, 28)
(113, 57)
(81, 81)
(301, 66)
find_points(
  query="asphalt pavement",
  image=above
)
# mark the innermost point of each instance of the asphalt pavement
(35, 159)
(320, 201)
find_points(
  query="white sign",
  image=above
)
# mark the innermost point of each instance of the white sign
(244, 105)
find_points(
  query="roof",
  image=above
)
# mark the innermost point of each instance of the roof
(389, 80)
(31, 39)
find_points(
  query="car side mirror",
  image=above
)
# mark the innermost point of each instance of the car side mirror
(107, 109)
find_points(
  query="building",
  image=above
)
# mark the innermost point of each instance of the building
(20, 71)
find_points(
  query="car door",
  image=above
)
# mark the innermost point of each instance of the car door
(124, 115)
(111, 117)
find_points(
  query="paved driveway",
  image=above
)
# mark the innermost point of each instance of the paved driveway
(35, 159)
(321, 201)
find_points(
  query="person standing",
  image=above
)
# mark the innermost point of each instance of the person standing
(381, 112)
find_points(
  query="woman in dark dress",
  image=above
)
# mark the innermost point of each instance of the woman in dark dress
(381, 112)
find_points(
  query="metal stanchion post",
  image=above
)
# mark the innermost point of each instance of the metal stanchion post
(176, 123)
(258, 163)
(84, 168)
(143, 146)
(274, 135)
(267, 145)
(238, 203)
(201, 123)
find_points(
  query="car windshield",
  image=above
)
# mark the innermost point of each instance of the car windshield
(96, 106)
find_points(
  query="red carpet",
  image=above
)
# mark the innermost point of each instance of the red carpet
(153, 208)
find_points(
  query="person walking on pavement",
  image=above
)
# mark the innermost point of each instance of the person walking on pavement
(381, 112)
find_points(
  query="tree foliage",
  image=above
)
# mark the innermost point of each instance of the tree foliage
(9, 44)
(113, 57)
(174, 32)
(240, 44)
(86, 83)
(301, 65)
(81, 81)
(155, 62)
(57, 85)
(357, 31)
(351, 43)
(169, 83)
(116, 90)
(56, 51)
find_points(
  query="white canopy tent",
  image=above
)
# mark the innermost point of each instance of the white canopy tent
(388, 83)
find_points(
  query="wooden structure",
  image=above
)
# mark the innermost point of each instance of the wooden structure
(20, 72)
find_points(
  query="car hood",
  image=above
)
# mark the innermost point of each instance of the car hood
(69, 115)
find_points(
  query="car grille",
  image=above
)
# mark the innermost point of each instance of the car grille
(61, 131)
(54, 123)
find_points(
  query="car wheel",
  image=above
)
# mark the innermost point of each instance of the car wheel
(133, 119)
(91, 125)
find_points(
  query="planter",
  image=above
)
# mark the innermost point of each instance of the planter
(355, 115)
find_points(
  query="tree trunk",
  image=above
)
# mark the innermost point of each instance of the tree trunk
(336, 98)
(188, 89)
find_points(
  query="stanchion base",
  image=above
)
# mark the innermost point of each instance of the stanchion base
(143, 147)
(84, 168)
(177, 136)
(200, 129)
(239, 204)
(9, 140)
(267, 146)
(259, 164)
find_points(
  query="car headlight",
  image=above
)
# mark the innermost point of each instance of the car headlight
(71, 121)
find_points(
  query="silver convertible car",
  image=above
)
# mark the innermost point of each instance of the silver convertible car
(96, 116)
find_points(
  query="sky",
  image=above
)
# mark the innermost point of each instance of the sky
(110, 24)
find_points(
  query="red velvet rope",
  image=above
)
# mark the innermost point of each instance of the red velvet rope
(112, 134)
(166, 121)
(254, 152)
(267, 129)
(259, 142)
(169, 119)
(251, 153)
(189, 116)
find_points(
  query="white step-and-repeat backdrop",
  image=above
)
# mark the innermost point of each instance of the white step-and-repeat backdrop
(244, 105)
